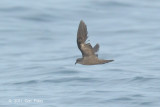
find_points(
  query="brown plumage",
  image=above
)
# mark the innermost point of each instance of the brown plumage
(88, 52)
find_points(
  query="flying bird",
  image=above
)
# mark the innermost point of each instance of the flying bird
(89, 56)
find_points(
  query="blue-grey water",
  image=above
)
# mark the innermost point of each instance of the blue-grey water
(38, 50)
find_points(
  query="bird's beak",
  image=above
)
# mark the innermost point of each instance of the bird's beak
(75, 63)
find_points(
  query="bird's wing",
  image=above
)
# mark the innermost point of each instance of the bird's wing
(82, 33)
(86, 49)
(96, 48)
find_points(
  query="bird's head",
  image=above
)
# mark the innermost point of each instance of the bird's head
(78, 60)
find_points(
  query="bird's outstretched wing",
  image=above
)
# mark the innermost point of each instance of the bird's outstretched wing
(86, 49)
(82, 33)
(96, 48)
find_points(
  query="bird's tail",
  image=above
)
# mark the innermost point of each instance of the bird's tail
(107, 61)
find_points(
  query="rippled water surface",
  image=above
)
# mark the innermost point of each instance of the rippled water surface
(38, 52)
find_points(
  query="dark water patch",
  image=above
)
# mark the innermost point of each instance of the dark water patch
(117, 70)
(64, 58)
(142, 79)
(17, 54)
(146, 103)
(66, 72)
(112, 4)
(124, 31)
(156, 68)
(121, 80)
(9, 30)
(58, 72)
(71, 79)
(52, 58)
(155, 49)
(14, 9)
(122, 99)
(2, 44)
(26, 82)
(137, 95)
(33, 67)
(43, 17)
(8, 105)
(45, 38)
(43, 60)
(96, 92)
(103, 91)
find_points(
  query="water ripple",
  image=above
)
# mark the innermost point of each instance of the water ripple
(71, 79)
(142, 79)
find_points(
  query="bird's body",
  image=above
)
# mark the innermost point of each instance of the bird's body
(92, 60)
(88, 52)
